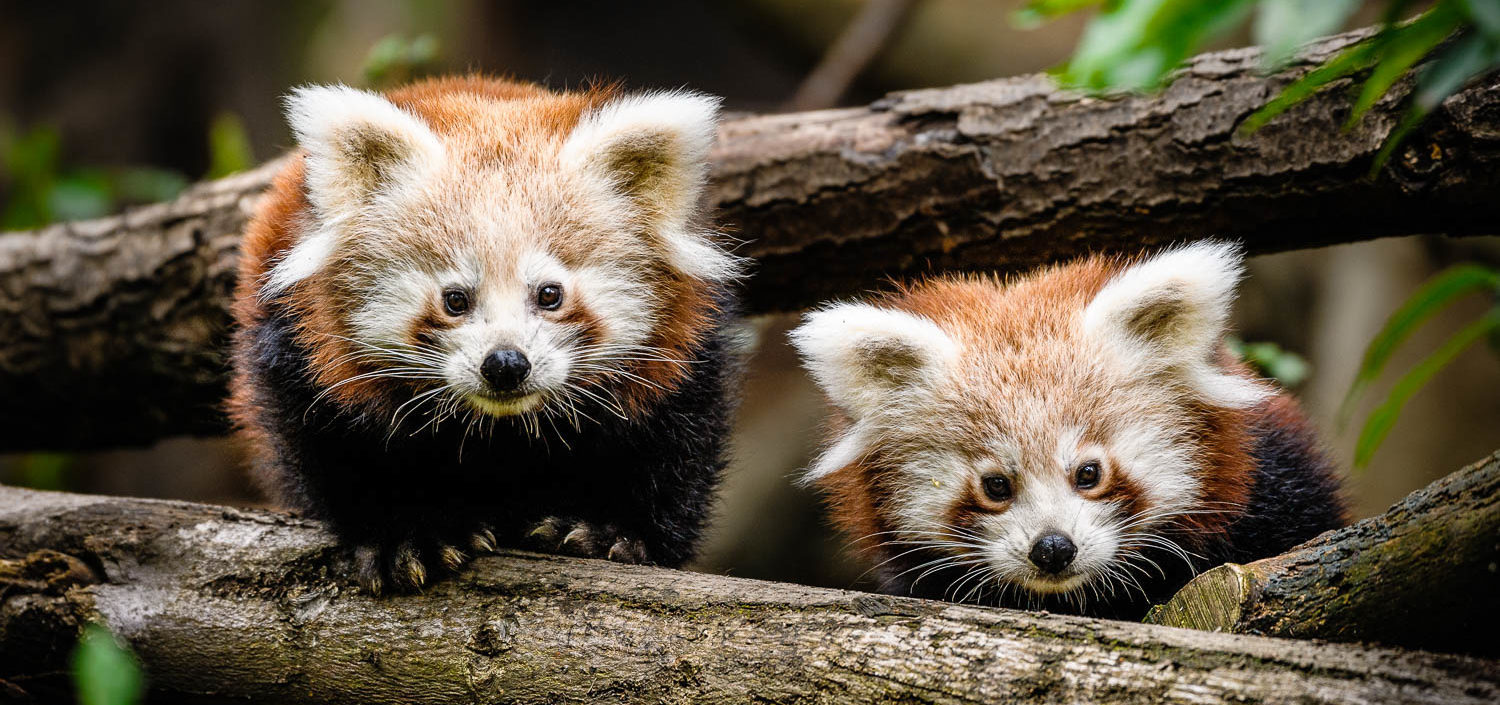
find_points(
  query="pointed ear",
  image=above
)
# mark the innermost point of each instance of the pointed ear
(1167, 315)
(867, 358)
(358, 144)
(652, 149)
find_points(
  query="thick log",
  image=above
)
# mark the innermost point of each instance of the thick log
(1422, 575)
(223, 604)
(113, 330)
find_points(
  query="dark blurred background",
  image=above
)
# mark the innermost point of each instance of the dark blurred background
(105, 104)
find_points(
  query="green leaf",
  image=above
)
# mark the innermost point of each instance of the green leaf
(424, 50)
(104, 672)
(1407, 45)
(1439, 291)
(1349, 61)
(395, 59)
(1271, 360)
(1135, 44)
(148, 184)
(228, 146)
(45, 471)
(1458, 64)
(1039, 11)
(1286, 367)
(1379, 424)
(23, 214)
(1486, 16)
(33, 156)
(86, 193)
(1281, 26)
(1409, 121)
(1396, 9)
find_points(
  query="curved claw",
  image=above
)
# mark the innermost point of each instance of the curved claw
(483, 540)
(452, 558)
(627, 550)
(407, 566)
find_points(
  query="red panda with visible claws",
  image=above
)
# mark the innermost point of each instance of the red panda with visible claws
(1076, 440)
(476, 312)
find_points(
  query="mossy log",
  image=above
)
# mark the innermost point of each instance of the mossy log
(1426, 574)
(223, 605)
(115, 329)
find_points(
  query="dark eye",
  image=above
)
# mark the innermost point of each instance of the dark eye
(1087, 475)
(456, 302)
(997, 488)
(549, 296)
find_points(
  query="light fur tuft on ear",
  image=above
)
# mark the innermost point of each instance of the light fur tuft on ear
(848, 449)
(359, 145)
(653, 149)
(867, 359)
(301, 261)
(1167, 315)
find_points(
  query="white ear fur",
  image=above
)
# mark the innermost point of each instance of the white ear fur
(653, 149)
(357, 142)
(300, 262)
(1167, 315)
(867, 359)
(847, 449)
(358, 145)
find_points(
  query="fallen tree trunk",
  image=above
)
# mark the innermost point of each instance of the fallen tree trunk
(225, 604)
(1422, 575)
(114, 329)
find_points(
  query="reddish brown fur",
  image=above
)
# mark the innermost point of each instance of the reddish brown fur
(999, 316)
(972, 504)
(855, 495)
(535, 123)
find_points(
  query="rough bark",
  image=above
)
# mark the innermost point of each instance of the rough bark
(1422, 575)
(114, 329)
(223, 604)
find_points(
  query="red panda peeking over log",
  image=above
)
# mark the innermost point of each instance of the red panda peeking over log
(476, 312)
(1077, 439)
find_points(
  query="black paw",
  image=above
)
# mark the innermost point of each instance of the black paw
(410, 564)
(580, 538)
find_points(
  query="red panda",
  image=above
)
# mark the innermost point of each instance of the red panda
(1077, 439)
(475, 312)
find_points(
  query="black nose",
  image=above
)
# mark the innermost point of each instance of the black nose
(1053, 552)
(505, 369)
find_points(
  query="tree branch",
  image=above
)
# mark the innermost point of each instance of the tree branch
(225, 604)
(1422, 575)
(115, 328)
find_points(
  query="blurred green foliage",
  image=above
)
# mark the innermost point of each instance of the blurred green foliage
(43, 471)
(1437, 294)
(1271, 360)
(1283, 26)
(228, 146)
(104, 671)
(1133, 45)
(40, 191)
(395, 59)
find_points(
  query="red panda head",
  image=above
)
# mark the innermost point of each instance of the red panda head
(484, 247)
(1039, 433)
